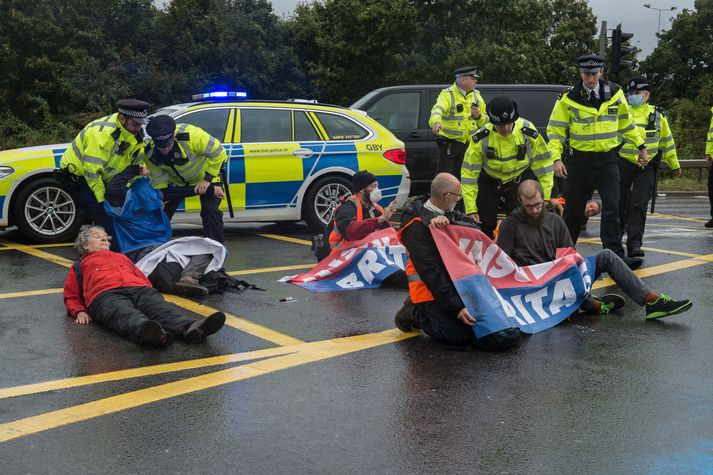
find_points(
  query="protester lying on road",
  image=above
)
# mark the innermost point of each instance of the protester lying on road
(106, 287)
(531, 235)
(434, 304)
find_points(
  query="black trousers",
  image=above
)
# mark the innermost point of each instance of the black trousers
(442, 326)
(637, 187)
(451, 156)
(492, 193)
(588, 171)
(211, 215)
(93, 211)
(126, 310)
(710, 189)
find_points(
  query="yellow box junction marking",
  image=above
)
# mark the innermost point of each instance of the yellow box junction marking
(37, 253)
(279, 237)
(10, 246)
(307, 353)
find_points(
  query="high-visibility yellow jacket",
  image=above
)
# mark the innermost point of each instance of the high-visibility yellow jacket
(202, 153)
(653, 126)
(505, 158)
(590, 129)
(101, 150)
(709, 141)
(452, 110)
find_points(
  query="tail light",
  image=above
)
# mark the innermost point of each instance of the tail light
(396, 155)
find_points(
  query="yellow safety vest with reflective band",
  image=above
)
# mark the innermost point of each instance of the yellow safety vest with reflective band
(102, 149)
(709, 141)
(505, 158)
(457, 124)
(653, 126)
(205, 154)
(590, 129)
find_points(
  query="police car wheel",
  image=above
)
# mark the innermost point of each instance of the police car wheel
(45, 213)
(321, 199)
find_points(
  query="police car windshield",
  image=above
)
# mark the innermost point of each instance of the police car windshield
(164, 111)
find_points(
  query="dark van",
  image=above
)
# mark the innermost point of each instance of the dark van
(405, 110)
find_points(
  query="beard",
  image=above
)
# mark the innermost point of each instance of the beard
(535, 220)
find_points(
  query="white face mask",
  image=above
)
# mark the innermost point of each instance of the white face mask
(375, 195)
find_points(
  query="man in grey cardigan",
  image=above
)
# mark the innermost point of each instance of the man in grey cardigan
(531, 235)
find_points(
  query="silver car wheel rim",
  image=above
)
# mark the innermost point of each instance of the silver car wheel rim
(327, 199)
(50, 211)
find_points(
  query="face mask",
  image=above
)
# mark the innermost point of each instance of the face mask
(375, 195)
(636, 100)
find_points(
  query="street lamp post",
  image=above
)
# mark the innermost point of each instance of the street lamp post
(670, 9)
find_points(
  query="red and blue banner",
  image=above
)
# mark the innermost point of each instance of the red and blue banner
(360, 265)
(499, 294)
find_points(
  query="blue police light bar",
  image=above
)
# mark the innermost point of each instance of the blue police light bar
(220, 95)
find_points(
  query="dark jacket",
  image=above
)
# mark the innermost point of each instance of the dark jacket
(353, 230)
(527, 244)
(425, 256)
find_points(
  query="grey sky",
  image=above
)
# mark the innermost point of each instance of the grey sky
(634, 18)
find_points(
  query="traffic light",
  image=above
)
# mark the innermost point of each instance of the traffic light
(618, 51)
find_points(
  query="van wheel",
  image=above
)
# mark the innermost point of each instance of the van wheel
(45, 213)
(321, 199)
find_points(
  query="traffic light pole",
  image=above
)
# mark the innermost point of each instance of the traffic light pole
(603, 39)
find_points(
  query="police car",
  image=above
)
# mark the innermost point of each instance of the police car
(288, 161)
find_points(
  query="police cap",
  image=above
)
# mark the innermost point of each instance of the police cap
(590, 63)
(466, 71)
(502, 110)
(638, 84)
(161, 129)
(134, 109)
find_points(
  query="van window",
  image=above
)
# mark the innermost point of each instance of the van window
(533, 105)
(304, 131)
(265, 125)
(398, 111)
(340, 128)
(213, 121)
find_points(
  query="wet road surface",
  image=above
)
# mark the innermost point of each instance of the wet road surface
(326, 384)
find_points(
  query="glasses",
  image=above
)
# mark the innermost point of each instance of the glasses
(451, 193)
(534, 205)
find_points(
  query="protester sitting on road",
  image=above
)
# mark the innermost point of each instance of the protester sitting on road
(531, 235)
(112, 291)
(360, 215)
(434, 304)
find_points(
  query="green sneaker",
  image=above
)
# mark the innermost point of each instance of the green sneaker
(665, 306)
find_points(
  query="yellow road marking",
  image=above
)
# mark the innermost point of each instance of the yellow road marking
(661, 269)
(242, 324)
(682, 218)
(67, 383)
(287, 238)
(30, 293)
(650, 249)
(10, 246)
(307, 353)
(270, 269)
(674, 226)
(37, 253)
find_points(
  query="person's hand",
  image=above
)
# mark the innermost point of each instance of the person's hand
(465, 317)
(677, 173)
(143, 171)
(218, 192)
(388, 212)
(439, 222)
(201, 187)
(436, 128)
(560, 169)
(476, 217)
(709, 158)
(556, 206)
(475, 112)
(83, 318)
(643, 157)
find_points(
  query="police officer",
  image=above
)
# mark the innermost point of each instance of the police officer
(187, 157)
(709, 156)
(653, 125)
(458, 113)
(593, 114)
(102, 150)
(501, 154)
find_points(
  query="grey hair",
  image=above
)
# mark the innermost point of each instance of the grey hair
(83, 237)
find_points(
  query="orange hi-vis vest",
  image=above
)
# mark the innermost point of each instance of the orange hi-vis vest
(416, 287)
(336, 239)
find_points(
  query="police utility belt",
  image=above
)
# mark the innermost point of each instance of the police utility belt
(67, 177)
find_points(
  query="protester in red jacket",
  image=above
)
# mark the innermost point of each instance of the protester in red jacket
(117, 295)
